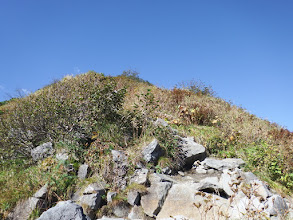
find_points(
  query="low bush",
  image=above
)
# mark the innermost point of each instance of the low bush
(70, 109)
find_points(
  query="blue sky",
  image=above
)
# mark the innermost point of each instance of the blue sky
(243, 48)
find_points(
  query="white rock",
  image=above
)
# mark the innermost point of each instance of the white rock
(133, 198)
(83, 171)
(140, 176)
(276, 205)
(110, 196)
(260, 189)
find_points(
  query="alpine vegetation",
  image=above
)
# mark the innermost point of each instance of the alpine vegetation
(97, 147)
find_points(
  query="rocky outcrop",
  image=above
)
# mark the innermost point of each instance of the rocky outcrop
(204, 188)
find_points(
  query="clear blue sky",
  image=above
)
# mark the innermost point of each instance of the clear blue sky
(243, 48)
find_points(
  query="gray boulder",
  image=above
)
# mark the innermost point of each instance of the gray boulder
(153, 201)
(191, 151)
(133, 198)
(41, 193)
(64, 210)
(136, 213)
(90, 198)
(121, 210)
(276, 206)
(90, 203)
(140, 176)
(228, 163)
(213, 186)
(184, 200)
(152, 152)
(83, 171)
(42, 151)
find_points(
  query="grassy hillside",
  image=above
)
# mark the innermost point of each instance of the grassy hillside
(90, 114)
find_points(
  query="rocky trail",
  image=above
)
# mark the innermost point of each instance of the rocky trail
(205, 188)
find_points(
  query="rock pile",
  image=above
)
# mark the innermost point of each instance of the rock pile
(208, 188)
(202, 188)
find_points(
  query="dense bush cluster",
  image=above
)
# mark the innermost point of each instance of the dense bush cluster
(70, 109)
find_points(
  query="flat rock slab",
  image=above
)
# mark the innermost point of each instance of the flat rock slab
(228, 163)
(184, 200)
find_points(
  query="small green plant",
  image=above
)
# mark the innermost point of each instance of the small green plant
(163, 162)
(35, 214)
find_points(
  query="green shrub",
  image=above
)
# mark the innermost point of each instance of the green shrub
(133, 75)
(197, 87)
(70, 109)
